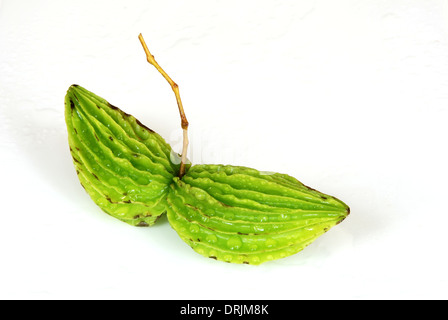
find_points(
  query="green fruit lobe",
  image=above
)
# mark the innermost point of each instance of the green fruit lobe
(125, 167)
(229, 213)
(241, 215)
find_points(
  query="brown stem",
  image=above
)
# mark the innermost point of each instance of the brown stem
(175, 87)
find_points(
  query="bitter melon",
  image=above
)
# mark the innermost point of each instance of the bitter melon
(229, 213)
(124, 166)
(240, 215)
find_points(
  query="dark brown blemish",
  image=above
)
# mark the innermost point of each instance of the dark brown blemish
(325, 198)
(113, 107)
(340, 220)
(125, 193)
(213, 257)
(77, 171)
(243, 234)
(110, 138)
(199, 240)
(76, 160)
(72, 105)
(83, 186)
(127, 201)
(96, 136)
(246, 262)
(157, 218)
(137, 216)
(142, 224)
(109, 199)
(123, 114)
(76, 132)
(95, 176)
(142, 125)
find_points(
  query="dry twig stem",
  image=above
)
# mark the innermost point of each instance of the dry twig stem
(174, 86)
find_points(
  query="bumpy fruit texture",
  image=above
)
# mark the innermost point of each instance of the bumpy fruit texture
(229, 213)
(241, 215)
(125, 167)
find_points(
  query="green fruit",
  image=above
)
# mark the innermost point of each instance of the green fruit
(125, 167)
(241, 215)
(229, 213)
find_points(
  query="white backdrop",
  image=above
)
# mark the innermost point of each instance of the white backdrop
(350, 97)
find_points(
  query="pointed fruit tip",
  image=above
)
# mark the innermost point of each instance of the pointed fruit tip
(344, 215)
(73, 87)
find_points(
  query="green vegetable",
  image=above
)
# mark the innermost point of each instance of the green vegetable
(241, 215)
(228, 213)
(124, 166)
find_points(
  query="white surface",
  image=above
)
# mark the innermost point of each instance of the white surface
(348, 96)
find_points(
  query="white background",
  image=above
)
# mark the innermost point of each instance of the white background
(350, 97)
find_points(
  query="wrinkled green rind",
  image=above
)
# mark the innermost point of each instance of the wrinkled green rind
(125, 167)
(241, 215)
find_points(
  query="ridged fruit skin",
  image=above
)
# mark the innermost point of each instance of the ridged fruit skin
(125, 167)
(241, 215)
